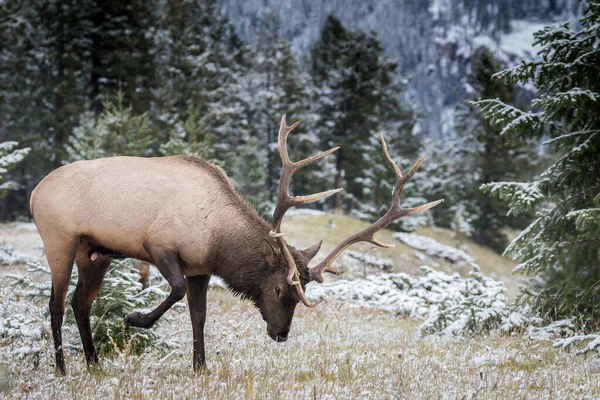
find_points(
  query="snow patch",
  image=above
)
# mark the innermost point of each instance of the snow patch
(433, 248)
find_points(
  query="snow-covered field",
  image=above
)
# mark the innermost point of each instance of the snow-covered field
(365, 340)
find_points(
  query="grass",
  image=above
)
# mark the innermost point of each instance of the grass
(305, 230)
(334, 352)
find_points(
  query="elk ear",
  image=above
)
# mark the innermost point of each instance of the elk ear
(312, 251)
(269, 252)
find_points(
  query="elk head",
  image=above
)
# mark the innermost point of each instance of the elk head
(284, 288)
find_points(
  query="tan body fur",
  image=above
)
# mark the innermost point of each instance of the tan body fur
(179, 213)
(122, 202)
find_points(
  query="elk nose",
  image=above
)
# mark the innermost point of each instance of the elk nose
(282, 337)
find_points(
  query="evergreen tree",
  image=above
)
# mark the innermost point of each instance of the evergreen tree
(561, 245)
(189, 138)
(378, 180)
(491, 157)
(120, 294)
(41, 62)
(200, 67)
(275, 86)
(121, 50)
(9, 157)
(58, 58)
(451, 174)
(116, 132)
(248, 176)
(352, 74)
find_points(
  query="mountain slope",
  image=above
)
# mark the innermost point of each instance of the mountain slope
(432, 39)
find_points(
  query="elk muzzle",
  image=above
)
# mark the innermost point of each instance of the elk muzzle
(278, 337)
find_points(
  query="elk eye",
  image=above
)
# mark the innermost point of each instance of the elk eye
(278, 291)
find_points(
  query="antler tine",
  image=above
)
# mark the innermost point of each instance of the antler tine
(368, 234)
(285, 201)
(388, 158)
(293, 277)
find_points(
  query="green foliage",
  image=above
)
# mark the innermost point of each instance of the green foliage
(275, 87)
(199, 69)
(481, 307)
(490, 156)
(248, 176)
(116, 132)
(9, 157)
(378, 181)
(120, 294)
(357, 95)
(190, 138)
(59, 58)
(561, 245)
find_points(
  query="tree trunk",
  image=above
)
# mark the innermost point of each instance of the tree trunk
(96, 56)
(339, 178)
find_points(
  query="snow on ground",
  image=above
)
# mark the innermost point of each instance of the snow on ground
(9, 256)
(334, 351)
(356, 344)
(19, 243)
(449, 304)
(433, 248)
(520, 41)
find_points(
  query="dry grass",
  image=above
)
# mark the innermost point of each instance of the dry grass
(492, 264)
(334, 352)
(305, 230)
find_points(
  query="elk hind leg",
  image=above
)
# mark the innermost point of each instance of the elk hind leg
(60, 258)
(91, 275)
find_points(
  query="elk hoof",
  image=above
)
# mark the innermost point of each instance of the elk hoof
(138, 320)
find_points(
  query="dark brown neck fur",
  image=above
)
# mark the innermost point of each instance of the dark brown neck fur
(237, 257)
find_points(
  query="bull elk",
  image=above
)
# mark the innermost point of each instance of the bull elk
(188, 220)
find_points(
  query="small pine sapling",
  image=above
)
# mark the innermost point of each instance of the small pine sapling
(121, 292)
(9, 158)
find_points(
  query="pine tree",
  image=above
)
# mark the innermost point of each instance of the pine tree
(200, 67)
(491, 156)
(9, 157)
(451, 175)
(40, 98)
(248, 174)
(121, 50)
(378, 180)
(190, 138)
(58, 58)
(116, 132)
(120, 294)
(352, 74)
(275, 86)
(561, 245)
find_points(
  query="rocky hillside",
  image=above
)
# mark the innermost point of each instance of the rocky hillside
(431, 39)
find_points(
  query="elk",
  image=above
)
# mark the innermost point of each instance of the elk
(183, 215)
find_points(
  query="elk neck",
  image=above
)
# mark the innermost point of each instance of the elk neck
(239, 260)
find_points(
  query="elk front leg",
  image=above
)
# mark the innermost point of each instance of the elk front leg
(197, 286)
(168, 264)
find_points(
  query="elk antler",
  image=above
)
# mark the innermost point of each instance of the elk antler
(285, 201)
(368, 234)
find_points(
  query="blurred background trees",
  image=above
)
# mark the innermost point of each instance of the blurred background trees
(87, 79)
